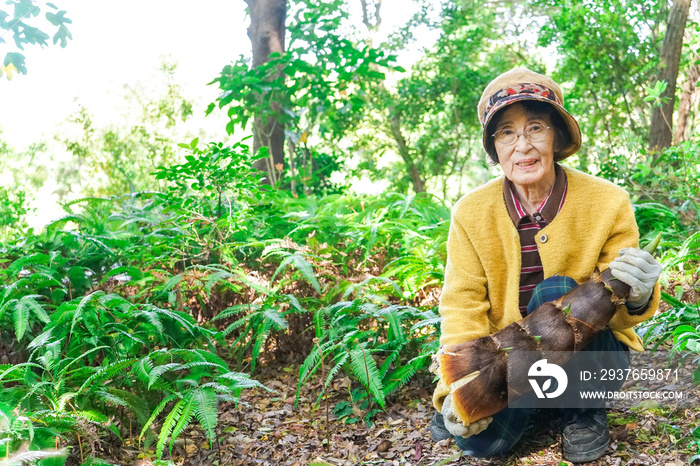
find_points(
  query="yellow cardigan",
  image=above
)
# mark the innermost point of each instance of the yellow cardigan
(482, 275)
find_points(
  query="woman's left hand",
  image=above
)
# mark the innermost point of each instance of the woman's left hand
(640, 271)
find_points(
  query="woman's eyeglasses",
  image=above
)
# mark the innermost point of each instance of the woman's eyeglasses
(508, 136)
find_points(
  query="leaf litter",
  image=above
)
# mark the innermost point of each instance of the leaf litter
(266, 429)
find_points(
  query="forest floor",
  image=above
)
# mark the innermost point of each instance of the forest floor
(268, 430)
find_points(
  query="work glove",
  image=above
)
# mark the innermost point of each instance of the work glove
(640, 271)
(455, 425)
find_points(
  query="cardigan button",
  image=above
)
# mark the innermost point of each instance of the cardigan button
(543, 238)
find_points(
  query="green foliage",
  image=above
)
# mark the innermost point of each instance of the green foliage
(130, 309)
(371, 342)
(439, 96)
(318, 85)
(214, 174)
(695, 441)
(106, 300)
(37, 435)
(662, 327)
(680, 324)
(686, 340)
(609, 57)
(118, 158)
(13, 211)
(24, 32)
(101, 352)
(666, 197)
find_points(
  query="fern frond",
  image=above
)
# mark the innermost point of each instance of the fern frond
(20, 318)
(34, 388)
(236, 309)
(171, 283)
(260, 337)
(7, 304)
(365, 369)
(33, 456)
(106, 372)
(237, 324)
(303, 266)
(81, 305)
(70, 362)
(153, 318)
(214, 359)
(158, 371)
(205, 410)
(241, 380)
(294, 303)
(430, 318)
(339, 361)
(135, 403)
(28, 260)
(188, 407)
(399, 378)
(180, 317)
(143, 368)
(92, 416)
(320, 322)
(309, 366)
(391, 357)
(130, 336)
(155, 414)
(278, 320)
(168, 425)
(395, 328)
(65, 398)
(190, 365)
(111, 398)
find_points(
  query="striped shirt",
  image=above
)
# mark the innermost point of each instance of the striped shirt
(529, 225)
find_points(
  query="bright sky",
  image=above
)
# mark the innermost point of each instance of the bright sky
(115, 43)
(120, 42)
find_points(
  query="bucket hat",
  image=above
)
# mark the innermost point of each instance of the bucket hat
(522, 84)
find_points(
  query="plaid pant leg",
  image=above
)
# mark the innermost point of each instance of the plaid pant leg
(610, 352)
(500, 436)
(550, 289)
(508, 425)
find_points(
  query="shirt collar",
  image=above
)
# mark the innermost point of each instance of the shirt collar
(551, 206)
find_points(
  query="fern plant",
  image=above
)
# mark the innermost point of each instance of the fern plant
(373, 343)
(661, 328)
(18, 432)
(193, 382)
(97, 354)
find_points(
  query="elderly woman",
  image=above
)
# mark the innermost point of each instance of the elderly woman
(527, 238)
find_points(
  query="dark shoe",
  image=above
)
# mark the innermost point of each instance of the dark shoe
(586, 437)
(437, 428)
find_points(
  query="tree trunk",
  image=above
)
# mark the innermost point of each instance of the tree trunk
(266, 32)
(686, 101)
(405, 153)
(660, 132)
(372, 20)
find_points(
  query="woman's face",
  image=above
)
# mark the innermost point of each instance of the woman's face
(525, 162)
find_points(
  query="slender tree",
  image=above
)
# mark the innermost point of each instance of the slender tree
(685, 103)
(661, 129)
(266, 32)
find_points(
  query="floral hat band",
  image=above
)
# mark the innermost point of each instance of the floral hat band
(520, 84)
(523, 91)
